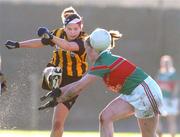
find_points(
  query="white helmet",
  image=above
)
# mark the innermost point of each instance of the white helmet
(100, 39)
(52, 76)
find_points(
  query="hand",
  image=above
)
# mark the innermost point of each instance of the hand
(52, 94)
(49, 104)
(44, 33)
(12, 44)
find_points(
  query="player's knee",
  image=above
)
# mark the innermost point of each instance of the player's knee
(104, 117)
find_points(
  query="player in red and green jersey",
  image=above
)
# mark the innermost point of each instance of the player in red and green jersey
(139, 93)
(119, 74)
(167, 79)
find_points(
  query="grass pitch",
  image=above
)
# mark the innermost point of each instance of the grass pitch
(22, 133)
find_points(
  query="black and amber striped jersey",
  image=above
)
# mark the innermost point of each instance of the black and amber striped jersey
(73, 63)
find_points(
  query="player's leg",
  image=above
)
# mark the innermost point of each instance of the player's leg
(59, 117)
(115, 110)
(62, 110)
(171, 119)
(148, 126)
(148, 114)
(159, 128)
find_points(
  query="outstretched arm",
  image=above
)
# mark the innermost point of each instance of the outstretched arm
(67, 92)
(33, 43)
(71, 90)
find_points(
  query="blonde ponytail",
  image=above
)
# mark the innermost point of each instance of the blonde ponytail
(66, 12)
(115, 35)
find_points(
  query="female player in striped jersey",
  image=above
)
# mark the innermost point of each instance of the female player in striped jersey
(139, 93)
(69, 54)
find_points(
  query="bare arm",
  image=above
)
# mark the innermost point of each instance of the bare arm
(71, 90)
(64, 44)
(34, 43)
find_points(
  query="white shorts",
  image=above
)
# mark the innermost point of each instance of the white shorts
(146, 99)
(171, 106)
